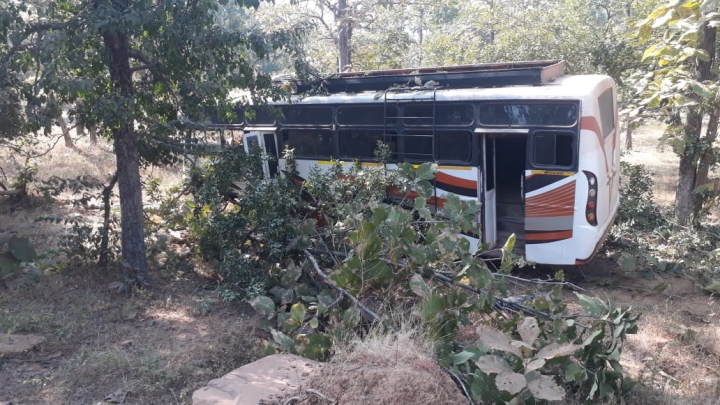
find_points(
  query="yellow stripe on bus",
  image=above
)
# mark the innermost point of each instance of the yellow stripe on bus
(552, 173)
(454, 167)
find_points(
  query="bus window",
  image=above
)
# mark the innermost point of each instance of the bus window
(359, 144)
(454, 146)
(261, 116)
(528, 114)
(607, 112)
(445, 114)
(366, 115)
(553, 149)
(417, 146)
(303, 115)
(309, 143)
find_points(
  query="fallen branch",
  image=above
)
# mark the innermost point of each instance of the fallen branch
(11, 192)
(308, 392)
(462, 385)
(352, 298)
(499, 304)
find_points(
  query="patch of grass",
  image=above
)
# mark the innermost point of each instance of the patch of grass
(161, 356)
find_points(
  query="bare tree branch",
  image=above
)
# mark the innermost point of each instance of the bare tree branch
(352, 298)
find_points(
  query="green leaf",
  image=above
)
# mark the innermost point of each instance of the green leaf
(283, 340)
(509, 244)
(297, 313)
(264, 306)
(493, 364)
(556, 350)
(426, 171)
(591, 306)
(462, 357)
(529, 330)
(22, 249)
(493, 339)
(544, 387)
(352, 317)
(431, 307)
(8, 263)
(314, 323)
(573, 372)
(419, 286)
(290, 275)
(510, 382)
(627, 262)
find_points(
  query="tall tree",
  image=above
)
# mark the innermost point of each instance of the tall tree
(145, 70)
(683, 88)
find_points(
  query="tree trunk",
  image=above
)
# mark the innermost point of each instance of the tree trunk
(687, 206)
(343, 37)
(127, 154)
(93, 136)
(105, 240)
(628, 136)
(65, 131)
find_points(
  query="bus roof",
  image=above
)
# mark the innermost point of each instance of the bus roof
(562, 88)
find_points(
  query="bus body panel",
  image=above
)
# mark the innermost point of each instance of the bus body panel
(559, 229)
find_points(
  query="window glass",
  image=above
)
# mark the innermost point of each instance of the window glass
(527, 114)
(445, 114)
(309, 143)
(260, 116)
(359, 144)
(606, 103)
(307, 115)
(367, 115)
(454, 145)
(554, 149)
(418, 146)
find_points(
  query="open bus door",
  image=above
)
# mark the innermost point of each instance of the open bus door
(486, 190)
(266, 142)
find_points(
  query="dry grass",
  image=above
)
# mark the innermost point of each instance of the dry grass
(180, 335)
(179, 338)
(386, 368)
(663, 162)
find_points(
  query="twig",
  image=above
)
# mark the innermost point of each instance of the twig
(460, 382)
(342, 290)
(538, 281)
(303, 397)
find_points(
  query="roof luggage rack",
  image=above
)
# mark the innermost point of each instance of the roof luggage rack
(454, 77)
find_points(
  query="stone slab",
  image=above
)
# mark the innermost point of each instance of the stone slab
(18, 344)
(263, 380)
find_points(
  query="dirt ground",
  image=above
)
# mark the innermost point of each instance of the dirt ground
(160, 344)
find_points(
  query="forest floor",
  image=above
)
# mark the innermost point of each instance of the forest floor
(159, 344)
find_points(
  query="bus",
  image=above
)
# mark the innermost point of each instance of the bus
(537, 148)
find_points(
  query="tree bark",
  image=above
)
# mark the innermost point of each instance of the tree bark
(628, 136)
(105, 241)
(65, 131)
(127, 154)
(684, 196)
(343, 36)
(687, 206)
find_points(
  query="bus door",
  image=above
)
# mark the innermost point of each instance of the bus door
(268, 147)
(486, 189)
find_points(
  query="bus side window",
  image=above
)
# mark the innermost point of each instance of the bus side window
(310, 143)
(553, 149)
(454, 146)
(359, 144)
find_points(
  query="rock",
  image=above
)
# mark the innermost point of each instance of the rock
(18, 344)
(18, 279)
(709, 340)
(271, 376)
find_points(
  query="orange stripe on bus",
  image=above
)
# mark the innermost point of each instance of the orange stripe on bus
(549, 235)
(456, 181)
(590, 123)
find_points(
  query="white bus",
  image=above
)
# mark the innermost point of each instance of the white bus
(538, 149)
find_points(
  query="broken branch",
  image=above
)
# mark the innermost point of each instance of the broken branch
(352, 298)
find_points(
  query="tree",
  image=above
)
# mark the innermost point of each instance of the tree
(683, 88)
(145, 70)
